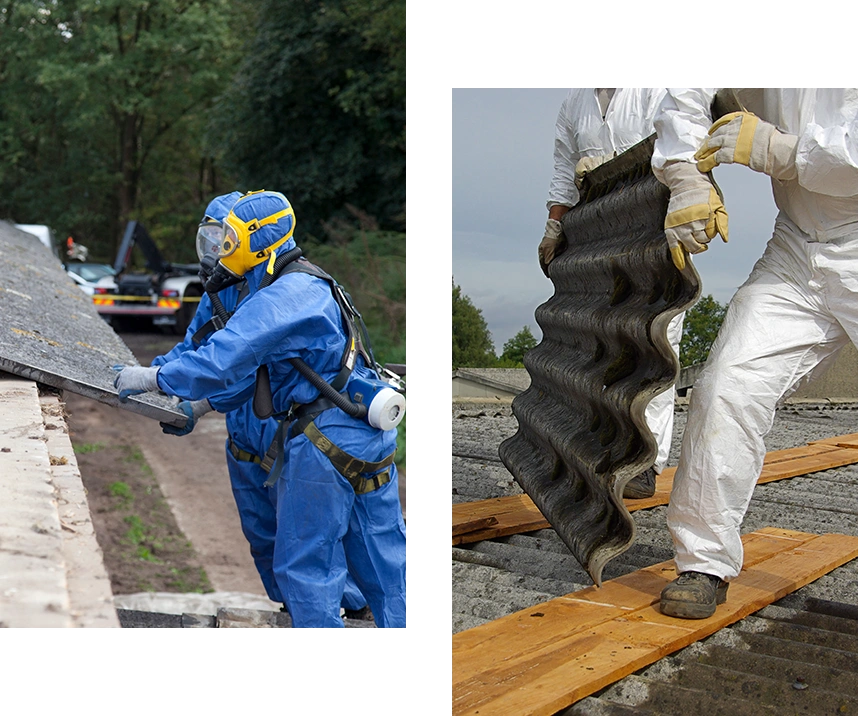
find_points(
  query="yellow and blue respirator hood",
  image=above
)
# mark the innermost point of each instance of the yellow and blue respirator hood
(260, 224)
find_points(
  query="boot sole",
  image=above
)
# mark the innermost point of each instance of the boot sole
(684, 610)
(689, 610)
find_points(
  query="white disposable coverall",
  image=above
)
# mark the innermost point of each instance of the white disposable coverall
(582, 132)
(795, 311)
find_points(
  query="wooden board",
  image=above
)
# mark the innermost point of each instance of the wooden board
(850, 440)
(545, 658)
(513, 514)
(517, 513)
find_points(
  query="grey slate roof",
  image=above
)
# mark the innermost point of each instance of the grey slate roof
(50, 331)
(756, 660)
(514, 380)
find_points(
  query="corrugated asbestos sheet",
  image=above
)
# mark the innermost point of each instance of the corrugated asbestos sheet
(604, 355)
(51, 333)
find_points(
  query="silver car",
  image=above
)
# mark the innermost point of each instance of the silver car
(88, 275)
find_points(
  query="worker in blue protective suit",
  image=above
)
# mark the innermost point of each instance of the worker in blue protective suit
(335, 481)
(249, 437)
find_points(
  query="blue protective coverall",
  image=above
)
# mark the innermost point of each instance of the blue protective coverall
(325, 531)
(256, 503)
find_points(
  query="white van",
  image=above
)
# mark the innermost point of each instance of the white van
(43, 233)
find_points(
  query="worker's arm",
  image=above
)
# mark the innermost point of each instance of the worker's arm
(562, 192)
(695, 212)
(827, 159)
(682, 124)
(294, 317)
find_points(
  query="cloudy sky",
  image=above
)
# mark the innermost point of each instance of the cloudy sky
(503, 143)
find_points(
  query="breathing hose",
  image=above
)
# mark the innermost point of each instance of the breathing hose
(343, 402)
(217, 307)
(279, 263)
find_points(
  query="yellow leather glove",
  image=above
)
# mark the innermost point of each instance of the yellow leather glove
(695, 213)
(744, 138)
(552, 245)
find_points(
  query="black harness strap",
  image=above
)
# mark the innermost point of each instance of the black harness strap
(363, 475)
(264, 462)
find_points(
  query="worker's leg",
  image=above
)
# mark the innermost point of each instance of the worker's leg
(258, 518)
(659, 412)
(353, 599)
(313, 506)
(776, 331)
(375, 550)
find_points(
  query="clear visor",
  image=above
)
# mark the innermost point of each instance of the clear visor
(209, 236)
(228, 241)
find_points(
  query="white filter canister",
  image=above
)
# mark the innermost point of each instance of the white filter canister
(386, 409)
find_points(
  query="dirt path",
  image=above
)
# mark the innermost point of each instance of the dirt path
(190, 472)
(151, 494)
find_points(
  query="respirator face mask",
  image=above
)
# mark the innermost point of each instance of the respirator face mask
(208, 243)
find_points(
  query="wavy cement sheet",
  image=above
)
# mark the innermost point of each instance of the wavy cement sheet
(51, 333)
(604, 355)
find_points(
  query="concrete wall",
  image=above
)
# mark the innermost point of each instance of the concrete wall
(51, 568)
(839, 381)
(465, 388)
(489, 383)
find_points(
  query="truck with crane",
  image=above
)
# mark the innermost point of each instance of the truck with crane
(167, 294)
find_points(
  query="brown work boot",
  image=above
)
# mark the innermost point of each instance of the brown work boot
(693, 595)
(640, 486)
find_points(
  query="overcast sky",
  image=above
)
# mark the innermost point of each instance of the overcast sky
(503, 144)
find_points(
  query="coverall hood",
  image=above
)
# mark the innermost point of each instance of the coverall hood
(259, 224)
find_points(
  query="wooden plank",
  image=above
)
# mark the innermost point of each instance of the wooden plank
(777, 456)
(513, 514)
(517, 514)
(474, 648)
(480, 523)
(807, 465)
(540, 665)
(850, 440)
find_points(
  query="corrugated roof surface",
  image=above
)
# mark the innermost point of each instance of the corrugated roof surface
(748, 668)
(512, 379)
(603, 356)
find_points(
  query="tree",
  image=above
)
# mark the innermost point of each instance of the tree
(515, 348)
(472, 342)
(370, 265)
(699, 330)
(109, 125)
(317, 110)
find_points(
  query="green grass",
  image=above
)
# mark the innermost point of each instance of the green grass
(190, 579)
(135, 455)
(400, 444)
(122, 491)
(138, 536)
(88, 448)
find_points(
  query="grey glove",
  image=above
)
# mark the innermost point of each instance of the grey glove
(552, 245)
(134, 380)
